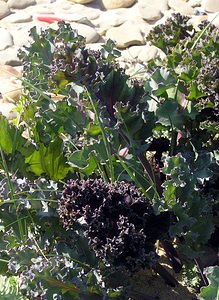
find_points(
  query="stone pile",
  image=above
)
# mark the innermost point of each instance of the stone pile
(127, 22)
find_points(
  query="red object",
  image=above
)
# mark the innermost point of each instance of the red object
(49, 19)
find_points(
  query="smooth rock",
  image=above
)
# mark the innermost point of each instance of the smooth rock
(196, 21)
(210, 5)
(82, 1)
(48, 1)
(10, 73)
(214, 18)
(141, 24)
(9, 57)
(21, 31)
(6, 39)
(6, 110)
(88, 32)
(18, 17)
(149, 12)
(140, 53)
(89, 12)
(10, 86)
(20, 4)
(107, 20)
(4, 10)
(95, 47)
(181, 6)
(162, 5)
(126, 35)
(112, 4)
(10, 92)
(21, 35)
(194, 3)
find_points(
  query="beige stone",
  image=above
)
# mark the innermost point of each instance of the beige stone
(149, 12)
(18, 17)
(82, 1)
(20, 4)
(88, 32)
(126, 35)
(112, 4)
(6, 39)
(140, 53)
(214, 18)
(210, 5)
(107, 20)
(6, 110)
(194, 3)
(9, 56)
(4, 10)
(162, 5)
(10, 86)
(196, 21)
(181, 6)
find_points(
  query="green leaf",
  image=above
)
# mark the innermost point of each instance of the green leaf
(49, 160)
(137, 128)
(169, 115)
(211, 292)
(83, 160)
(162, 80)
(195, 93)
(10, 139)
(9, 289)
(94, 130)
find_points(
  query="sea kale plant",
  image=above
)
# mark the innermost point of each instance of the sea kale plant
(184, 96)
(119, 221)
(120, 163)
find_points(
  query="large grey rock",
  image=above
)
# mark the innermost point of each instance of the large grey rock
(112, 4)
(20, 4)
(4, 9)
(6, 39)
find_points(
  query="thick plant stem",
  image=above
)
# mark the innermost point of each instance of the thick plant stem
(172, 255)
(169, 279)
(200, 268)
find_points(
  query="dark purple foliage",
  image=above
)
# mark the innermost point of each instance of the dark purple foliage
(120, 222)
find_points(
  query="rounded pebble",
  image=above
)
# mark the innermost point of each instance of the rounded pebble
(6, 39)
(4, 10)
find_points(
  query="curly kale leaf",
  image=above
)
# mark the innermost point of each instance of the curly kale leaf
(119, 221)
(168, 35)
